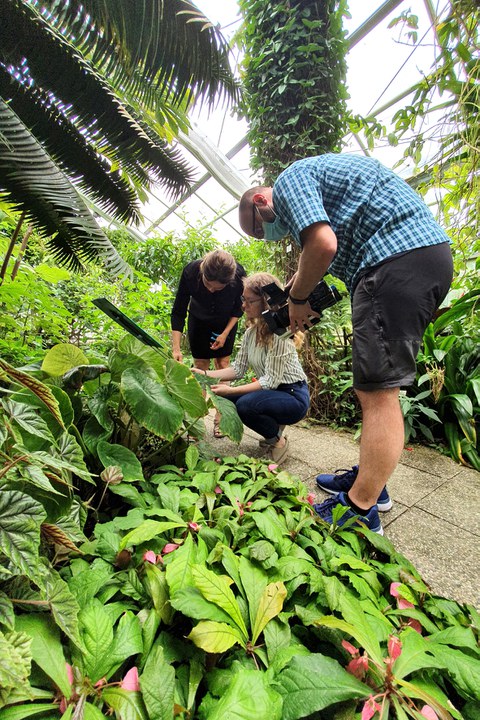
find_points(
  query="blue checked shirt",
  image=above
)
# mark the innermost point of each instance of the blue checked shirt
(372, 211)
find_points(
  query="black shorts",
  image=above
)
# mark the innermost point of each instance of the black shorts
(392, 305)
(199, 338)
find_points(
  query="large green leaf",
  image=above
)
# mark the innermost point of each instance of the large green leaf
(464, 670)
(46, 648)
(63, 357)
(313, 682)
(158, 685)
(253, 579)
(249, 697)
(230, 423)
(15, 665)
(19, 712)
(156, 581)
(216, 589)
(179, 568)
(111, 454)
(151, 404)
(99, 407)
(270, 605)
(35, 386)
(128, 705)
(146, 531)
(184, 387)
(127, 639)
(28, 419)
(62, 603)
(215, 637)
(96, 632)
(20, 520)
(190, 602)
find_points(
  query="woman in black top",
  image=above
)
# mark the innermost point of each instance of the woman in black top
(210, 290)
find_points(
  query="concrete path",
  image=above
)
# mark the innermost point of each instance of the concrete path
(435, 519)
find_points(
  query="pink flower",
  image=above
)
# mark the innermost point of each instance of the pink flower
(358, 666)
(311, 498)
(194, 526)
(370, 708)
(272, 467)
(63, 705)
(100, 683)
(169, 547)
(130, 681)
(428, 712)
(149, 556)
(394, 647)
(351, 649)
(218, 490)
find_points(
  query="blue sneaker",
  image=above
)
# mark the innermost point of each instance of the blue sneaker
(371, 520)
(343, 480)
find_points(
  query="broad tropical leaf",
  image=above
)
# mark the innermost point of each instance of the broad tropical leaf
(20, 519)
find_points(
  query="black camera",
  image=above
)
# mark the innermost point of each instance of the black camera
(277, 317)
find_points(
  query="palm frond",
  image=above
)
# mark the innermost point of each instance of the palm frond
(69, 149)
(83, 96)
(32, 183)
(162, 43)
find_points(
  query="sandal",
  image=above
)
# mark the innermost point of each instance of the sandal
(217, 433)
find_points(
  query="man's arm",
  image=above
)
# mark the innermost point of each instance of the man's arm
(319, 244)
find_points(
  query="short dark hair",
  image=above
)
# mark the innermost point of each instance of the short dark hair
(218, 266)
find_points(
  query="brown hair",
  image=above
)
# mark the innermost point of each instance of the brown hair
(218, 266)
(254, 283)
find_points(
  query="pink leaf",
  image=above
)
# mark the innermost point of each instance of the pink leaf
(149, 556)
(415, 625)
(69, 673)
(403, 604)
(194, 526)
(358, 667)
(272, 467)
(218, 490)
(394, 647)
(351, 649)
(130, 681)
(169, 547)
(370, 708)
(393, 589)
(428, 712)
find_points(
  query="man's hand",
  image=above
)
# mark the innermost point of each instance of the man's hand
(300, 316)
(177, 355)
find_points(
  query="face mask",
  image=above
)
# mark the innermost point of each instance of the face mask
(276, 230)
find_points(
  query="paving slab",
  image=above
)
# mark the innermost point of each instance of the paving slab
(447, 556)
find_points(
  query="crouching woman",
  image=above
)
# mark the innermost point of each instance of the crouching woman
(279, 395)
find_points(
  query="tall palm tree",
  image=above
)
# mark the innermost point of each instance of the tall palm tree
(91, 94)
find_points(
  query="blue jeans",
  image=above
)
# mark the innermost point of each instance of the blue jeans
(265, 410)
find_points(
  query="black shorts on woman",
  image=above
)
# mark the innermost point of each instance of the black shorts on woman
(200, 337)
(392, 304)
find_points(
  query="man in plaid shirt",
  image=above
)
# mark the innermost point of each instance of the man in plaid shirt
(357, 220)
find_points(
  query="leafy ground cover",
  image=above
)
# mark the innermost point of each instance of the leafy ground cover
(160, 585)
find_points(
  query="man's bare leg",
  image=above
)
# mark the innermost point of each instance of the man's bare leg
(381, 444)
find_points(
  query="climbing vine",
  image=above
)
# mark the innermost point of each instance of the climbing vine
(294, 77)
